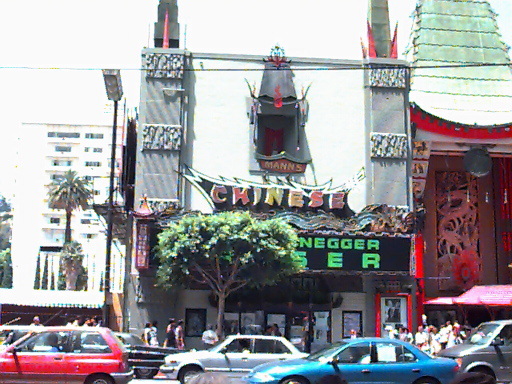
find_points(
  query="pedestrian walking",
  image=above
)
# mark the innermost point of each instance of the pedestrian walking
(180, 336)
(170, 334)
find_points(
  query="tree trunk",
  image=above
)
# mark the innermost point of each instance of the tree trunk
(220, 314)
(71, 278)
(67, 233)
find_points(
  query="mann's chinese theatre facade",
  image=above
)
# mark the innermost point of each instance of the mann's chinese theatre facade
(326, 150)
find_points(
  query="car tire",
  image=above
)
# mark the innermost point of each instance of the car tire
(187, 373)
(99, 379)
(294, 380)
(145, 373)
(426, 380)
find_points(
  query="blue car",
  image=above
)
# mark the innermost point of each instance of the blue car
(358, 361)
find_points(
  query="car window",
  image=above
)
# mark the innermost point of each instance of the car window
(506, 334)
(269, 346)
(483, 333)
(359, 353)
(389, 352)
(46, 342)
(239, 345)
(89, 342)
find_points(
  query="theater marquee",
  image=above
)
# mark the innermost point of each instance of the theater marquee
(354, 253)
(225, 194)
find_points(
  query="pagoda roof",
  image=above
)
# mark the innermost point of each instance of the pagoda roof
(461, 66)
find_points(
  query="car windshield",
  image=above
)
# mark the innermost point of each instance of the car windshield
(326, 352)
(483, 334)
(130, 340)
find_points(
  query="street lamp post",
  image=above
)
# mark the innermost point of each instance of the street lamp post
(114, 89)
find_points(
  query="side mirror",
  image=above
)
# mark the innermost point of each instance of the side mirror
(334, 361)
(12, 349)
(223, 350)
(497, 341)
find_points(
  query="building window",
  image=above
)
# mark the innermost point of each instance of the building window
(89, 235)
(98, 150)
(94, 135)
(85, 221)
(73, 135)
(56, 176)
(88, 178)
(96, 192)
(60, 148)
(62, 163)
(86, 149)
(54, 220)
(93, 164)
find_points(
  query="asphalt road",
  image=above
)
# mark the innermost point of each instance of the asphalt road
(157, 380)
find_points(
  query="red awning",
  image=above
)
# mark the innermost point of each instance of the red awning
(479, 295)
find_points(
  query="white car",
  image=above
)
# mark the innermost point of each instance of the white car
(235, 356)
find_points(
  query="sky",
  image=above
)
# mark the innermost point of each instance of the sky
(53, 50)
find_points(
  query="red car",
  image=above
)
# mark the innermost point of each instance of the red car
(85, 355)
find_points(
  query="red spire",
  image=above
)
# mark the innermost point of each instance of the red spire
(372, 53)
(165, 43)
(393, 50)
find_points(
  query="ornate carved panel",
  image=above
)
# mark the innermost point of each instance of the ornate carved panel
(388, 145)
(458, 261)
(159, 136)
(163, 65)
(388, 77)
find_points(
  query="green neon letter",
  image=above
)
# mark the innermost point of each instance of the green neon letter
(335, 260)
(300, 259)
(371, 260)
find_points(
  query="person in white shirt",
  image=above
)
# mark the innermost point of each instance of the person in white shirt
(210, 337)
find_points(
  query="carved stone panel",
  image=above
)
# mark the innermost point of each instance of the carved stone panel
(459, 263)
(163, 65)
(388, 145)
(160, 136)
(388, 77)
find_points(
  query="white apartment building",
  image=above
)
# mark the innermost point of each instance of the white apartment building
(45, 152)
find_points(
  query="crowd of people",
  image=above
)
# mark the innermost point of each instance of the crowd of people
(174, 334)
(430, 338)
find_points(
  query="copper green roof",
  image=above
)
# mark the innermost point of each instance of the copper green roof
(466, 76)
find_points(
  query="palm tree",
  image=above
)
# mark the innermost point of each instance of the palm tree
(70, 192)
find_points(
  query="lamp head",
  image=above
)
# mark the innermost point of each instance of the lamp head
(113, 84)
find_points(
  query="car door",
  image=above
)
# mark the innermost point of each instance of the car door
(353, 363)
(268, 349)
(393, 363)
(39, 359)
(238, 356)
(89, 353)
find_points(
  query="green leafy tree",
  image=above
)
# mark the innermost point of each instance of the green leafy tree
(70, 193)
(5, 224)
(71, 262)
(226, 251)
(5, 268)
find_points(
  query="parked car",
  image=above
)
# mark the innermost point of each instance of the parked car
(360, 360)
(71, 355)
(235, 356)
(487, 349)
(144, 359)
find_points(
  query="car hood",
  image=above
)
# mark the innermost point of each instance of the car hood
(460, 350)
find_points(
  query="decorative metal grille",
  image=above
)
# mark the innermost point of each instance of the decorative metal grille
(458, 262)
